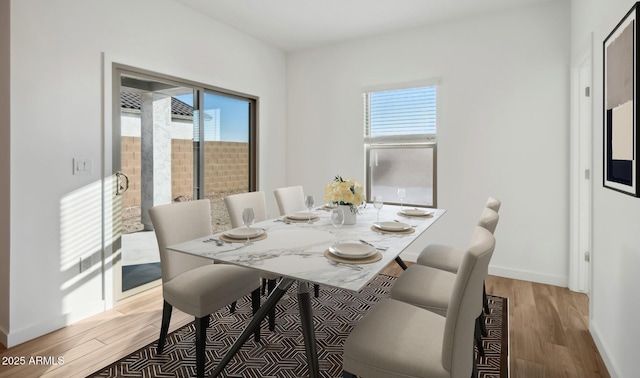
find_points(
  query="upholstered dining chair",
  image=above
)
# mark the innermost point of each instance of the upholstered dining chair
(448, 258)
(494, 204)
(192, 284)
(397, 339)
(430, 287)
(290, 199)
(236, 203)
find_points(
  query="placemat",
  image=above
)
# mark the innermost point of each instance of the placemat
(367, 260)
(262, 236)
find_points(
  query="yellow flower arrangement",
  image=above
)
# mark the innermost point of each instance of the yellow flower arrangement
(344, 192)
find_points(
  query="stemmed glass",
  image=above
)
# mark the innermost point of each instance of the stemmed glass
(247, 219)
(308, 202)
(402, 194)
(378, 203)
(337, 219)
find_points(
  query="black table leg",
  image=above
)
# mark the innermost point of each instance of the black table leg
(308, 330)
(262, 313)
(401, 263)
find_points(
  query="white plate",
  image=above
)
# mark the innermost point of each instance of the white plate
(392, 226)
(416, 212)
(244, 232)
(302, 215)
(352, 250)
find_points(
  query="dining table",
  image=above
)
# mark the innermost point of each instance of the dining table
(306, 248)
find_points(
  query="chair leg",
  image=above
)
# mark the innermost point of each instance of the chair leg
(474, 371)
(164, 328)
(401, 263)
(232, 307)
(255, 306)
(316, 290)
(485, 300)
(481, 323)
(271, 284)
(201, 343)
(264, 286)
(478, 337)
(346, 374)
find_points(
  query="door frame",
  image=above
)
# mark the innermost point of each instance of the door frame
(581, 171)
(111, 237)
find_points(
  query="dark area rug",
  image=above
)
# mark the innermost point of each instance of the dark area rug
(281, 353)
(140, 274)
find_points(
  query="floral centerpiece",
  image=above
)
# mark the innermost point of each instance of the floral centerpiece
(344, 192)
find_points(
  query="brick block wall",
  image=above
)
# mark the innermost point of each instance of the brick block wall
(226, 168)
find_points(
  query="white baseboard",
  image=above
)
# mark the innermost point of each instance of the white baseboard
(602, 349)
(4, 337)
(529, 276)
(13, 338)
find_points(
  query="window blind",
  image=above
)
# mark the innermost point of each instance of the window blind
(400, 115)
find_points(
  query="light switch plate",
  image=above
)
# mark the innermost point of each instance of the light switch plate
(82, 166)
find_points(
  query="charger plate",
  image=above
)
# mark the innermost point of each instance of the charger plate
(352, 250)
(367, 260)
(298, 220)
(226, 238)
(404, 232)
(418, 213)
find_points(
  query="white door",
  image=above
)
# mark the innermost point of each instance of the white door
(581, 171)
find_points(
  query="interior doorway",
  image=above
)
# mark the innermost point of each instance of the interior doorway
(581, 173)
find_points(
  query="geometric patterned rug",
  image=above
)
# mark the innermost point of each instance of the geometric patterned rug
(281, 353)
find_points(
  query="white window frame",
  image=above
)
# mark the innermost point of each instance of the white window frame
(400, 141)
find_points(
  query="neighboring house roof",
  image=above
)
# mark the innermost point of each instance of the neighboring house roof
(130, 100)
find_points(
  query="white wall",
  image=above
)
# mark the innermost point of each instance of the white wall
(56, 71)
(5, 183)
(614, 300)
(503, 125)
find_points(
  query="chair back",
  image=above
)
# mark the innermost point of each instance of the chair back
(176, 223)
(236, 203)
(489, 219)
(493, 204)
(466, 298)
(290, 199)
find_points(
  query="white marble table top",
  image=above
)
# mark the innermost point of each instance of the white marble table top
(296, 250)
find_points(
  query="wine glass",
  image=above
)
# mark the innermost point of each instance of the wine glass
(247, 219)
(378, 203)
(402, 194)
(337, 218)
(308, 202)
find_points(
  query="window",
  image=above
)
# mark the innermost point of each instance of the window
(400, 143)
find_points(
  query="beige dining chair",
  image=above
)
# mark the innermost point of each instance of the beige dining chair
(448, 258)
(236, 203)
(398, 339)
(430, 287)
(192, 284)
(290, 199)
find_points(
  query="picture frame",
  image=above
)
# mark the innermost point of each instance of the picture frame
(620, 138)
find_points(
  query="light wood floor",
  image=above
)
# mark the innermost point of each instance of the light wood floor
(548, 330)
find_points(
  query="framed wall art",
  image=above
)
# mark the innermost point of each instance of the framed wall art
(620, 96)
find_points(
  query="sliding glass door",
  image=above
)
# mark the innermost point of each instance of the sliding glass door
(174, 141)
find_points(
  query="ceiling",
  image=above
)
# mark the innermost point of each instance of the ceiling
(301, 24)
